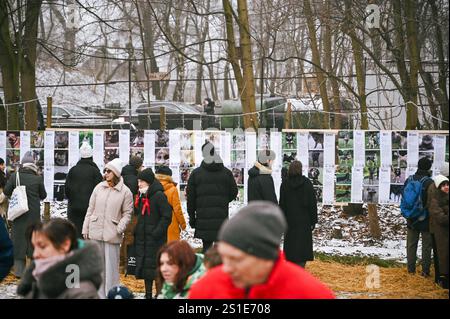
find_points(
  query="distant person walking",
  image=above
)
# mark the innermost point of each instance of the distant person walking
(209, 106)
(260, 181)
(211, 187)
(178, 223)
(35, 189)
(109, 212)
(80, 183)
(299, 205)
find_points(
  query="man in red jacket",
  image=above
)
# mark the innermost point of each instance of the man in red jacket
(253, 266)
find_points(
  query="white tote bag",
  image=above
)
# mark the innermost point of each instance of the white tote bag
(18, 203)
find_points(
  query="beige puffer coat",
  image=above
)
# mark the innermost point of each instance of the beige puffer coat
(109, 212)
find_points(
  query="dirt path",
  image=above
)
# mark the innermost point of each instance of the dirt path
(348, 282)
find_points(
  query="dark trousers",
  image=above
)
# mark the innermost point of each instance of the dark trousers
(149, 288)
(206, 245)
(412, 241)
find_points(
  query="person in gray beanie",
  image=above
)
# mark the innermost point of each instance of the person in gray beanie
(35, 189)
(253, 265)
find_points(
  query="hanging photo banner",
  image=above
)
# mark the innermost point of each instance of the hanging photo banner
(359, 149)
(49, 182)
(226, 149)
(439, 151)
(124, 146)
(98, 150)
(49, 146)
(250, 149)
(174, 149)
(357, 184)
(275, 145)
(302, 148)
(149, 148)
(386, 148)
(276, 175)
(24, 143)
(74, 150)
(413, 148)
(198, 143)
(3, 145)
(328, 185)
(329, 150)
(384, 185)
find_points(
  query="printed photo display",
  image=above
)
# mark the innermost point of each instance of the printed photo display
(359, 156)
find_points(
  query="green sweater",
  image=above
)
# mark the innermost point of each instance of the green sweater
(168, 291)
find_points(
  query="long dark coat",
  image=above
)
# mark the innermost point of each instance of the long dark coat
(438, 209)
(299, 204)
(80, 183)
(260, 184)
(151, 230)
(211, 187)
(35, 193)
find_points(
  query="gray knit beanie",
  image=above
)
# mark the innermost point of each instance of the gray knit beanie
(256, 229)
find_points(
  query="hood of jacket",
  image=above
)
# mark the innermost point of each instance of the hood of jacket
(212, 167)
(259, 169)
(296, 181)
(166, 181)
(129, 170)
(154, 188)
(52, 282)
(421, 172)
(87, 161)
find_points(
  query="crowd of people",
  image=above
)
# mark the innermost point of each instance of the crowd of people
(133, 207)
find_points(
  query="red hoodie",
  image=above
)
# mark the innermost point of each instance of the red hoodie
(286, 281)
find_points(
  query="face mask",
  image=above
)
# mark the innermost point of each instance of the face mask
(143, 190)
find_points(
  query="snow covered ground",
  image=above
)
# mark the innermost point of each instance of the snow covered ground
(355, 241)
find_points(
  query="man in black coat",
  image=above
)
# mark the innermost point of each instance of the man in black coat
(260, 181)
(80, 183)
(299, 205)
(211, 187)
(417, 227)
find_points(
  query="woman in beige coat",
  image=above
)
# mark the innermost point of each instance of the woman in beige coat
(109, 212)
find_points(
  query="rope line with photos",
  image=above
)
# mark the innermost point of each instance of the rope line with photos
(344, 166)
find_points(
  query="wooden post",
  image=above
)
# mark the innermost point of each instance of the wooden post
(162, 118)
(374, 223)
(49, 111)
(46, 211)
(287, 117)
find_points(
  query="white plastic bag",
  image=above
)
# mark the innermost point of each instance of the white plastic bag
(18, 203)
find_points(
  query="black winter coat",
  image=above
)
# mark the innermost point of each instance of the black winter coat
(129, 174)
(423, 225)
(35, 193)
(151, 229)
(260, 184)
(211, 187)
(299, 205)
(80, 183)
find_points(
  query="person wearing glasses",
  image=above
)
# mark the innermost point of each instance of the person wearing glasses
(108, 214)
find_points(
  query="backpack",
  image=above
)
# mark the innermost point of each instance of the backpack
(411, 204)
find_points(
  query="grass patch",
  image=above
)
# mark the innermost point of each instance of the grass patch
(358, 260)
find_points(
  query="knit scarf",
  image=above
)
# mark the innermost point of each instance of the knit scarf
(43, 264)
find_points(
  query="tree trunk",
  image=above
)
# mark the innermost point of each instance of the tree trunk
(316, 60)
(247, 65)
(226, 83)
(149, 39)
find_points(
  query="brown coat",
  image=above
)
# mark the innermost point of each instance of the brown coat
(171, 192)
(438, 209)
(109, 212)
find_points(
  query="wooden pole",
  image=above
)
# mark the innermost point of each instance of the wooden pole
(162, 118)
(49, 111)
(287, 117)
(46, 211)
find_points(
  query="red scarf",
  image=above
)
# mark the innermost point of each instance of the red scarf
(145, 205)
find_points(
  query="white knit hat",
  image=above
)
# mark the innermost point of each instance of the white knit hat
(439, 179)
(116, 166)
(85, 150)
